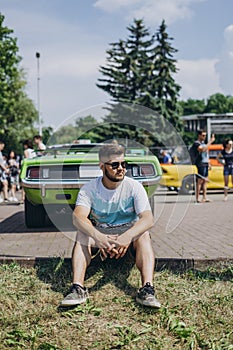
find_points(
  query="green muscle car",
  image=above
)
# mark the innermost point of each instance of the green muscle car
(52, 179)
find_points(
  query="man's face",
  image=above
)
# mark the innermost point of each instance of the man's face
(202, 136)
(114, 168)
(2, 146)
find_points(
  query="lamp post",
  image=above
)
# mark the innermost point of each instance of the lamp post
(38, 91)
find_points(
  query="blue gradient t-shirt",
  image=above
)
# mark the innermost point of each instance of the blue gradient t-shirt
(114, 207)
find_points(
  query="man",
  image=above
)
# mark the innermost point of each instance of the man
(39, 144)
(202, 163)
(167, 159)
(112, 215)
(3, 171)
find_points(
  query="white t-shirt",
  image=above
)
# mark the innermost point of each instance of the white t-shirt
(113, 207)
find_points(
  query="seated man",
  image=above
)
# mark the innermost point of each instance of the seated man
(113, 215)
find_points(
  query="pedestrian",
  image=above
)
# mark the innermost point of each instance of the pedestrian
(3, 174)
(40, 146)
(227, 158)
(112, 217)
(167, 159)
(202, 163)
(13, 166)
(28, 149)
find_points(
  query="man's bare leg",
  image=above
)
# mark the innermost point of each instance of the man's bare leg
(145, 258)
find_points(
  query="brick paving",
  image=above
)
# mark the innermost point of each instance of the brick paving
(183, 231)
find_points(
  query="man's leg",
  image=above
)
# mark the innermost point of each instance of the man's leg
(145, 259)
(81, 257)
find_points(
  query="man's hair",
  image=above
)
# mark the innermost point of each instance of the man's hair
(37, 137)
(199, 132)
(109, 150)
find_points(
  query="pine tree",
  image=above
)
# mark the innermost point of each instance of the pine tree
(139, 72)
(164, 85)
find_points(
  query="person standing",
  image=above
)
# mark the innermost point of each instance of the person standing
(28, 149)
(227, 157)
(3, 174)
(167, 159)
(13, 167)
(112, 216)
(202, 163)
(40, 146)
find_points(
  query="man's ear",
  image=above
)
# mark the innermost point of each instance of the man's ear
(101, 164)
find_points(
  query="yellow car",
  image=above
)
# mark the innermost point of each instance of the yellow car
(179, 176)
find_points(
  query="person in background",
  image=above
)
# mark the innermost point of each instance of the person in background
(40, 146)
(27, 153)
(13, 167)
(112, 216)
(28, 149)
(202, 164)
(167, 159)
(226, 155)
(4, 171)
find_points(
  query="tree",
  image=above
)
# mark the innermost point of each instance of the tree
(17, 112)
(164, 85)
(140, 73)
(192, 106)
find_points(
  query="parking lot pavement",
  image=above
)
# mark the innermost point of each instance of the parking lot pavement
(183, 231)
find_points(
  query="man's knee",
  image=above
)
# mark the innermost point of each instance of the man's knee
(143, 240)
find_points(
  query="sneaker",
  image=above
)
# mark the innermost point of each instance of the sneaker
(146, 296)
(10, 199)
(15, 199)
(1, 200)
(77, 295)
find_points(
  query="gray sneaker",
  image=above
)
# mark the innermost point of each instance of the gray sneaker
(77, 295)
(146, 296)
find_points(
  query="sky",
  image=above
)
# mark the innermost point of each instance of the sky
(72, 37)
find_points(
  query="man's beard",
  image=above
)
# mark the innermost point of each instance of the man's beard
(112, 178)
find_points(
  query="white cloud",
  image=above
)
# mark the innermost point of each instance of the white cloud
(152, 11)
(224, 66)
(198, 78)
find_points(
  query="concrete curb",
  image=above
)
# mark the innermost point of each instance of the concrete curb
(171, 264)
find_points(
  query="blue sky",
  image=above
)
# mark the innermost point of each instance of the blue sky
(72, 37)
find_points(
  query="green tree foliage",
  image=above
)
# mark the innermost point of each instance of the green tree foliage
(216, 103)
(84, 128)
(140, 71)
(17, 112)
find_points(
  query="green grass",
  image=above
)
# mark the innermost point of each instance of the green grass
(196, 309)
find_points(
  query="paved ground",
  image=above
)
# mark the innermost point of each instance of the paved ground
(184, 232)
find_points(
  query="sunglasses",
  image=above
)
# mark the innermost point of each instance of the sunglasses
(116, 165)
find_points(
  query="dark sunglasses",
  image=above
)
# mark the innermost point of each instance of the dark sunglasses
(116, 165)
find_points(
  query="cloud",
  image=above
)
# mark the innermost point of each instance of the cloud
(152, 11)
(224, 66)
(198, 78)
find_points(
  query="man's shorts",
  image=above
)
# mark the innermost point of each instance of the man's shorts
(203, 171)
(228, 170)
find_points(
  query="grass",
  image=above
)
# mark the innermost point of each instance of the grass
(196, 309)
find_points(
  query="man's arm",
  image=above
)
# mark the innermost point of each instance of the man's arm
(205, 148)
(144, 223)
(82, 222)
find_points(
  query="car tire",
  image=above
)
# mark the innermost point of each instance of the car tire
(34, 214)
(188, 185)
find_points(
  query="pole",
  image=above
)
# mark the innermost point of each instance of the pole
(38, 92)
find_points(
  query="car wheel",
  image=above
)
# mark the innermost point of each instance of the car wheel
(34, 214)
(188, 185)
